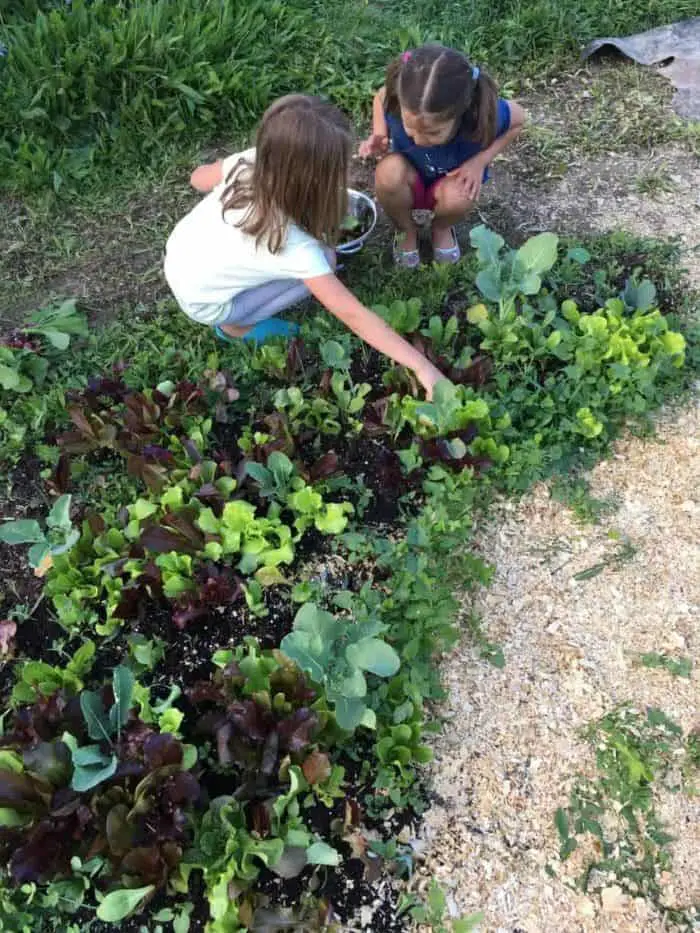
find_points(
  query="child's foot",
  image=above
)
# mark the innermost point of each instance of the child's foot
(446, 249)
(406, 250)
(262, 331)
(272, 327)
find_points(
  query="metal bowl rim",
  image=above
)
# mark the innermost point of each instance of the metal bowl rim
(356, 244)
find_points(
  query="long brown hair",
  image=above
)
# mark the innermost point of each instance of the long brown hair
(300, 172)
(440, 81)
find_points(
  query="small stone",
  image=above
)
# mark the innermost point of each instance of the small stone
(613, 899)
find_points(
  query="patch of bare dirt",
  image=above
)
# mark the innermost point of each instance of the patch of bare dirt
(511, 745)
(107, 253)
(603, 152)
(608, 194)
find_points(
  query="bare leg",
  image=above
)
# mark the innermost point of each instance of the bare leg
(234, 331)
(394, 183)
(451, 207)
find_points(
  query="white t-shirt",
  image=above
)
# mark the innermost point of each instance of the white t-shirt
(209, 260)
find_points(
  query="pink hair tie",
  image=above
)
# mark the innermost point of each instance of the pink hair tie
(405, 57)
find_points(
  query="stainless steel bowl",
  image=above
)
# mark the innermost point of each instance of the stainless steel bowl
(360, 205)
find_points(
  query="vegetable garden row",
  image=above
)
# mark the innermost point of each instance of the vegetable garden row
(217, 675)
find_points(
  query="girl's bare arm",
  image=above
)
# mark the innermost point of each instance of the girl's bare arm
(517, 122)
(341, 303)
(379, 127)
(377, 142)
(207, 177)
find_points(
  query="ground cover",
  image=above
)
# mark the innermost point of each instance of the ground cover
(163, 765)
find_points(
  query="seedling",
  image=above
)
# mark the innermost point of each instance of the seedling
(57, 537)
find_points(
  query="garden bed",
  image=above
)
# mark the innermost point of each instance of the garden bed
(185, 525)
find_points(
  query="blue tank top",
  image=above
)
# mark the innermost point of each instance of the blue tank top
(432, 162)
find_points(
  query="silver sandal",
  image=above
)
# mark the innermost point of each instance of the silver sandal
(450, 255)
(406, 258)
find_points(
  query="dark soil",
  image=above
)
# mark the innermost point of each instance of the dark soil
(345, 889)
(188, 653)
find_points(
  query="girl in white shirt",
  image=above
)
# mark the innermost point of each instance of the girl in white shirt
(260, 241)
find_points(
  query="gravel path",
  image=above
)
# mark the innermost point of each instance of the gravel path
(511, 745)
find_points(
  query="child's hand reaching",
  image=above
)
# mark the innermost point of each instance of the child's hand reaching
(375, 145)
(470, 176)
(428, 375)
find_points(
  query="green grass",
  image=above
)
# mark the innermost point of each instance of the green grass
(655, 182)
(141, 80)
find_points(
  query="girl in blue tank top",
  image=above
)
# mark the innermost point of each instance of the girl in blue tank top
(438, 123)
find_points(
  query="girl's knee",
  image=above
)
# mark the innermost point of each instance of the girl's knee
(393, 173)
(450, 198)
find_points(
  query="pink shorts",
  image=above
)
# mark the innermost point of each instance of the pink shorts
(424, 194)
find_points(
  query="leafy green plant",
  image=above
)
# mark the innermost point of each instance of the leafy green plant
(264, 717)
(349, 398)
(127, 796)
(442, 333)
(56, 538)
(314, 413)
(336, 355)
(145, 653)
(634, 752)
(229, 857)
(276, 479)
(401, 745)
(158, 431)
(278, 361)
(29, 390)
(432, 912)
(37, 680)
(336, 653)
(188, 549)
(21, 369)
(309, 507)
(26, 353)
(505, 275)
(455, 427)
(403, 316)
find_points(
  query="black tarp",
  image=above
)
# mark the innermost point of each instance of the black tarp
(675, 49)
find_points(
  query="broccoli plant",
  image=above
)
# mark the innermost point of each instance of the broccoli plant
(336, 653)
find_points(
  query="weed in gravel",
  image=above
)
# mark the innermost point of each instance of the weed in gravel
(434, 914)
(488, 650)
(637, 754)
(679, 667)
(575, 493)
(623, 552)
(655, 182)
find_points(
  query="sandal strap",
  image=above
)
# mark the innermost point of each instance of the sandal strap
(409, 258)
(449, 254)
